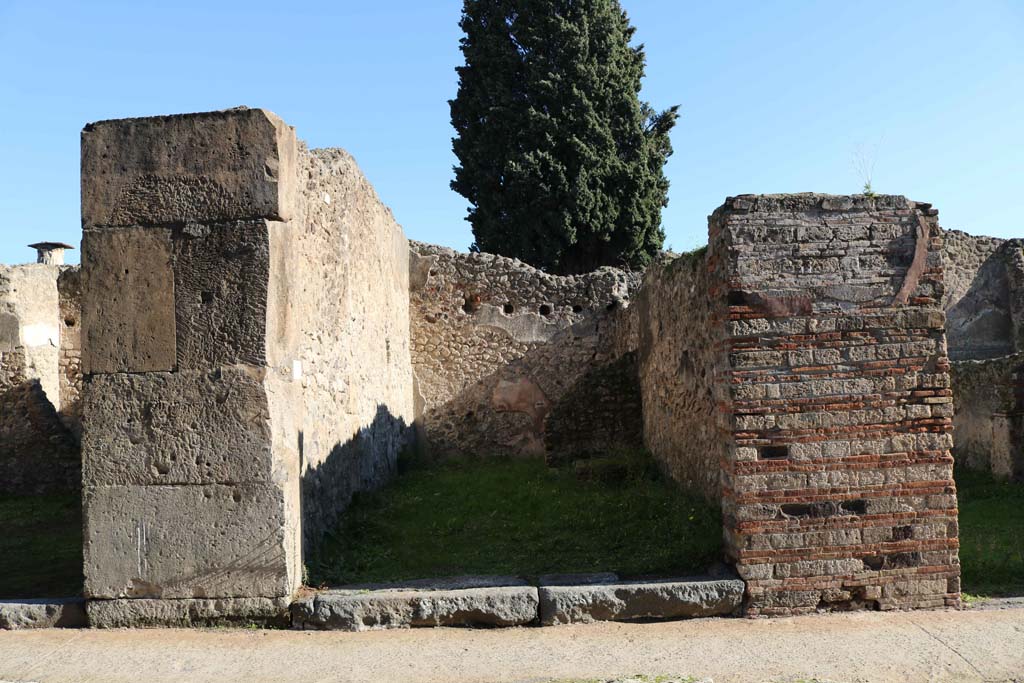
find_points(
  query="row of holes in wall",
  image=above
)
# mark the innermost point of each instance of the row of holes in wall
(472, 305)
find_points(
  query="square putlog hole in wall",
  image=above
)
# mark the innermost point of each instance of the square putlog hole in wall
(127, 301)
(773, 453)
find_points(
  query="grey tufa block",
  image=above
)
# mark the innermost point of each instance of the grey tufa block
(178, 428)
(190, 541)
(213, 166)
(680, 599)
(221, 281)
(462, 602)
(127, 302)
(26, 614)
(187, 613)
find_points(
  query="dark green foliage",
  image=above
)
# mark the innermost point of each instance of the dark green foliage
(40, 546)
(991, 534)
(560, 160)
(514, 516)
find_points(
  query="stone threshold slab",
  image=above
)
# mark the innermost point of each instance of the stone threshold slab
(44, 613)
(605, 600)
(464, 601)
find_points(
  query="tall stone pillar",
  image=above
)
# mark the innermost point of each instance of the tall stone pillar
(190, 444)
(837, 485)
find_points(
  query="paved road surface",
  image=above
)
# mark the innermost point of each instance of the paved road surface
(932, 647)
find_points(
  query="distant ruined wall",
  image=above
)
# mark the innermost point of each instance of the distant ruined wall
(988, 427)
(497, 344)
(680, 341)
(69, 288)
(245, 348)
(838, 485)
(984, 298)
(37, 452)
(984, 301)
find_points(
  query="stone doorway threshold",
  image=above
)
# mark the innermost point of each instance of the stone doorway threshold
(499, 601)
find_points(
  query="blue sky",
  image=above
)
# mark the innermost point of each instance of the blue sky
(775, 96)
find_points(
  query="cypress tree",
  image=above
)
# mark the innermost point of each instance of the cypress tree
(561, 161)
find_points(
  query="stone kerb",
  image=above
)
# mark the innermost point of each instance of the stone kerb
(188, 490)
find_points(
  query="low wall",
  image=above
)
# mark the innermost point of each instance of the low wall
(37, 452)
(496, 345)
(245, 349)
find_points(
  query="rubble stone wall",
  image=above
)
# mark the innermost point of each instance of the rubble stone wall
(988, 427)
(497, 344)
(69, 288)
(984, 301)
(680, 359)
(838, 488)
(350, 288)
(37, 452)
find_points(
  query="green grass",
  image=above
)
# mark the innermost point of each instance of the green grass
(991, 535)
(40, 546)
(513, 516)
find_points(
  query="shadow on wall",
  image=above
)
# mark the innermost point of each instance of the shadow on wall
(980, 324)
(511, 410)
(38, 454)
(365, 462)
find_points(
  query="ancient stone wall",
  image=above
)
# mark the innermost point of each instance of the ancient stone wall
(838, 489)
(244, 347)
(984, 302)
(984, 299)
(496, 345)
(37, 452)
(680, 358)
(988, 427)
(350, 290)
(69, 289)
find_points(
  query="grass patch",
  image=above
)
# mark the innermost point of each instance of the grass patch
(991, 535)
(40, 546)
(518, 516)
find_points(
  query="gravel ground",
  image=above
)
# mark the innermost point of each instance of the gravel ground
(972, 645)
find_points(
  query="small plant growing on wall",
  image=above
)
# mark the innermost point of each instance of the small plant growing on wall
(864, 158)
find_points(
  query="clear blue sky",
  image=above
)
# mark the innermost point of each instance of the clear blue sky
(775, 96)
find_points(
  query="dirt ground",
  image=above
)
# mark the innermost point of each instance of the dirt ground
(972, 645)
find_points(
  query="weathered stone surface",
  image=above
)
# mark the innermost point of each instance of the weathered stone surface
(837, 402)
(187, 613)
(189, 541)
(213, 166)
(189, 427)
(468, 601)
(38, 452)
(26, 614)
(482, 324)
(127, 301)
(221, 281)
(566, 604)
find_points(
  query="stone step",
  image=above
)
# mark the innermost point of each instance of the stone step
(466, 601)
(637, 600)
(45, 613)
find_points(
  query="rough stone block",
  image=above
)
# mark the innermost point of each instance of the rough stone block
(472, 601)
(189, 541)
(639, 600)
(187, 613)
(221, 279)
(213, 166)
(179, 428)
(127, 301)
(25, 614)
